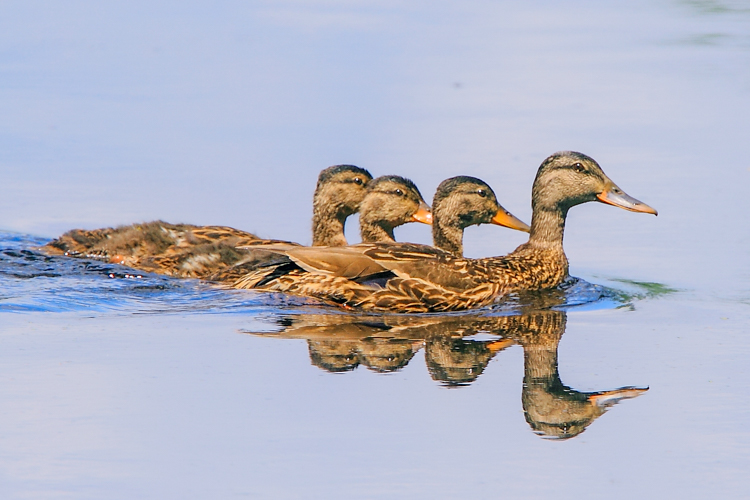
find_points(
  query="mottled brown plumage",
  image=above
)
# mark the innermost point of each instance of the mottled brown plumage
(459, 202)
(417, 278)
(174, 249)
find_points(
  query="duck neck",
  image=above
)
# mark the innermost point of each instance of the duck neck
(328, 226)
(540, 363)
(543, 333)
(374, 232)
(547, 228)
(448, 237)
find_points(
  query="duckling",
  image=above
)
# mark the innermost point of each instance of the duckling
(186, 250)
(418, 278)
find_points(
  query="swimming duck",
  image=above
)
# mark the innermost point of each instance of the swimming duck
(338, 194)
(464, 201)
(186, 250)
(417, 278)
(390, 201)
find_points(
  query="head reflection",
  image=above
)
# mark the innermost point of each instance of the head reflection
(457, 362)
(457, 350)
(379, 355)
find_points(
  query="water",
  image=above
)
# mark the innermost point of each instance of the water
(119, 384)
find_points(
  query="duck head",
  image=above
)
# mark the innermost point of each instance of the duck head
(390, 202)
(464, 201)
(338, 194)
(567, 179)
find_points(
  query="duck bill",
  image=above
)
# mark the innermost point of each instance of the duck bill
(507, 219)
(499, 345)
(423, 214)
(609, 398)
(617, 197)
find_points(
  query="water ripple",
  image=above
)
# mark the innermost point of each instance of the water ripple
(32, 282)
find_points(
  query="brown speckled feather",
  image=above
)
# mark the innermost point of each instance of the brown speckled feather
(427, 281)
(181, 250)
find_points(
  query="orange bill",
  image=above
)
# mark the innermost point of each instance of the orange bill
(423, 214)
(507, 219)
(618, 198)
(499, 345)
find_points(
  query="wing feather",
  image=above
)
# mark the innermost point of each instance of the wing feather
(335, 261)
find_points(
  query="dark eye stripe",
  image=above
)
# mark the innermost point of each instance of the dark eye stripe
(579, 168)
(396, 191)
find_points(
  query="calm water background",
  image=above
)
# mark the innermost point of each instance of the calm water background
(120, 387)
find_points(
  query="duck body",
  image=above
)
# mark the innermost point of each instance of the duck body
(417, 278)
(408, 278)
(172, 249)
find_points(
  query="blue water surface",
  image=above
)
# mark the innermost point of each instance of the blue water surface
(629, 382)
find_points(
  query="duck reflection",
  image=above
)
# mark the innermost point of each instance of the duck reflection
(379, 355)
(551, 408)
(457, 350)
(458, 362)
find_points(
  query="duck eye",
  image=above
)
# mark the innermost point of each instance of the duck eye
(578, 167)
(482, 193)
(357, 180)
(399, 192)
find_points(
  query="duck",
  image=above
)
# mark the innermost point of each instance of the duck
(411, 278)
(338, 195)
(464, 201)
(185, 250)
(390, 201)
